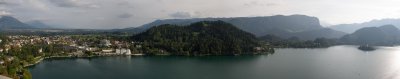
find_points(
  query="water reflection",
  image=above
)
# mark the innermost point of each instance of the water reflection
(393, 66)
(337, 62)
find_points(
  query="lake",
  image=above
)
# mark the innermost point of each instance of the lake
(337, 62)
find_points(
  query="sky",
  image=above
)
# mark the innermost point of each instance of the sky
(111, 14)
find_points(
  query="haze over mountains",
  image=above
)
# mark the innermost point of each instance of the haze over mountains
(350, 28)
(38, 24)
(11, 23)
(383, 35)
(301, 26)
(8, 22)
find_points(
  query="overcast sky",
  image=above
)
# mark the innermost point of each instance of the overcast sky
(107, 14)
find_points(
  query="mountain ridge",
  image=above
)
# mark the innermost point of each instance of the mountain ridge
(350, 28)
(280, 25)
(38, 24)
(382, 35)
(9, 22)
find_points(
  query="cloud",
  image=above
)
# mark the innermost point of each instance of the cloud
(108, 14)
(7, 3)
(3, 13)
(73, 3)
(180, 15)
(2, 2)
(258, 3)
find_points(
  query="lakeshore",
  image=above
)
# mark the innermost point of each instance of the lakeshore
(40, 59)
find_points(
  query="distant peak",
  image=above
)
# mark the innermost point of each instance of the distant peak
(7, 18)
(389, 26)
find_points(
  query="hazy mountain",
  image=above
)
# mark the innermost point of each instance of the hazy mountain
(38, 24)
(350, 28)
(318, 33)
(383, 35)
(8, 22)
(282, 26)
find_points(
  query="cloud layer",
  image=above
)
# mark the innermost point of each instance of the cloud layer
(109, 14)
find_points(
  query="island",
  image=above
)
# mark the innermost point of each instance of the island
(366, 48)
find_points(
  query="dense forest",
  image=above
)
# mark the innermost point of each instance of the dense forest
(201, 38)
(295, 42)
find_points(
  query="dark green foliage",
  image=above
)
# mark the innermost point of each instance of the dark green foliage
(26, 74)
(201, 38)
(295, 42)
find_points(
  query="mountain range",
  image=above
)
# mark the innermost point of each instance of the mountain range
(38, 24)
(8, 22)
(383, 35)
(350, 28)
(301, 26)
(11, 24)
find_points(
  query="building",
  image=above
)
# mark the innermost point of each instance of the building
(105, 42)
(123, 51)
(10, 58)
(1, 62)
(107, 50)
(40, 50)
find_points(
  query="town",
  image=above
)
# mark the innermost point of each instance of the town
(73, 45)
(29, 50)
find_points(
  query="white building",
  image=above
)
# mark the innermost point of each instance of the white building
(40, 50)
(105, 42)
(1, 62)
(123, 51)
(107, 50)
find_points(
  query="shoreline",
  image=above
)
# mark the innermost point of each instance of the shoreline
(99, 55)
(43, 58)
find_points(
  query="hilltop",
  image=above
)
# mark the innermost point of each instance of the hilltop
(200, 38)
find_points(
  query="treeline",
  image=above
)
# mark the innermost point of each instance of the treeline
(295, 42)
(25, 55)
(15, 59)
(201, 38)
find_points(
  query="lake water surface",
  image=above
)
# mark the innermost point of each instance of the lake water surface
(337, 62)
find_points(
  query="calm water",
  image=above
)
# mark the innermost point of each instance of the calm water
(337, 62)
